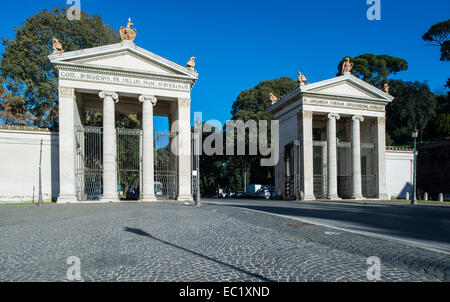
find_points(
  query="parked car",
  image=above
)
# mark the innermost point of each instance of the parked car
(133, 193)
(231, 194)
(265, 193)
(222, 193)
(240, 194)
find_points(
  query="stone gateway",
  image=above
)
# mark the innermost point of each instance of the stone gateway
(332, 140)
(113, 79)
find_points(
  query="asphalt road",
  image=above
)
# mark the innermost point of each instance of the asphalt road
(421, 225)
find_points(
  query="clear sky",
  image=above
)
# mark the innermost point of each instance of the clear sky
(240, 43)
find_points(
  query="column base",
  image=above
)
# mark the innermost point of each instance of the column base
(66, 199)
(383, 197)
(185, 197)
(358, 197)
(309, 198)
(333, 197)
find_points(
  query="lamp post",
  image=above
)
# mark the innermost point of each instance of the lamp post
(414, 135)
(40, 202)
(196, 155)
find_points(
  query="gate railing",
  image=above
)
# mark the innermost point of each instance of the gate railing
(89, 162)
(166, 178)
(368, 186)
(129, 142)
(293, 178)
(320, 186)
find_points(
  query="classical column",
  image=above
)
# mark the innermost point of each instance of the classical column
(184, 150)
(332, 156)
(109, 146)
(67, 107)
(306, 120)
(356, 157)
(148, 172)
(381, 157)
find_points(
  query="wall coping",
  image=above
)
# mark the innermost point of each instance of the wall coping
(27, 130)
(392, 148)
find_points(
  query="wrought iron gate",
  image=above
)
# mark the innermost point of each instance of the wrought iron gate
(320, 169)
(89, 162)
(368, 168)
(129, 145)
(344, 170)
(292, 179)
(165, 165)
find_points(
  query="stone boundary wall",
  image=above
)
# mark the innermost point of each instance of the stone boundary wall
(19, 164)
(399, 172)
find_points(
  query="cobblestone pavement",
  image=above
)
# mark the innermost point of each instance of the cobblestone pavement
(175, 242)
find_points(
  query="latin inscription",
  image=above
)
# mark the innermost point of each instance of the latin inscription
(343, 104)
(120, 80)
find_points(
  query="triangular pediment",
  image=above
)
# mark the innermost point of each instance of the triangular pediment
(126, 60)
(345, 89)
(123, 57)
(347, 86)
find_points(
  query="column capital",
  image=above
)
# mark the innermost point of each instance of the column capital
(150, 98)
(66, 92)
(381, 120)
(334, 116)
(306, 114)
(184, 102)
(358, 118)
(113, 95)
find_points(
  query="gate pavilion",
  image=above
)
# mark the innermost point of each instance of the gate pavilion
(332, 140)
(123, 78)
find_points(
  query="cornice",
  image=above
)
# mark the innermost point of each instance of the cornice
(114, 71)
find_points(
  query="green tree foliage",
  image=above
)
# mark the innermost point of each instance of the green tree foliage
(414, 106)
(439, 34)
(228, 172)
(13, 110)
(439, 127)
(375, 69)
(252, 104)
(26, 69)
(211, 170)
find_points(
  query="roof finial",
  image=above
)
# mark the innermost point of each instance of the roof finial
(57, 46)
(128, 33)
(191, 63)
(347, 66)
(301, 79)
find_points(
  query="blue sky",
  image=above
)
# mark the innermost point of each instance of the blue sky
(240, 43)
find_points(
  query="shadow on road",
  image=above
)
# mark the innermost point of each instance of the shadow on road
(145, 234)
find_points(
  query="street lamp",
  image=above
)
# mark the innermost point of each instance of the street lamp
(414, 135)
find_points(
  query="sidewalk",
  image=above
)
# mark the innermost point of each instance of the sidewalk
(397, 202)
